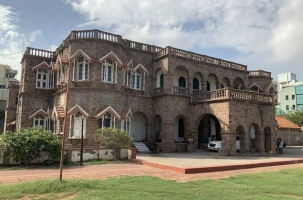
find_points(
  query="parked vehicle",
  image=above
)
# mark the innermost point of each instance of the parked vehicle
(216, 144)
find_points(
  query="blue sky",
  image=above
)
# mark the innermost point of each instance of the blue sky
(263, 34)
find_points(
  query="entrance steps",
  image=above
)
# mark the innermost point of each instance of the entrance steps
(141, 147)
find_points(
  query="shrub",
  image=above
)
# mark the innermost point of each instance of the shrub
(31, 144)
(112, 138)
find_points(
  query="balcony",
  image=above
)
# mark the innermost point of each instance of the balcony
(231, 94)
(181, 90)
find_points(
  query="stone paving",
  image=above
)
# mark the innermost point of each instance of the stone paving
(131, 169)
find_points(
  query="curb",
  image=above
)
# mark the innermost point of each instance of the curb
(193, 170)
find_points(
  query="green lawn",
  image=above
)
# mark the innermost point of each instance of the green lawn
(286, 184)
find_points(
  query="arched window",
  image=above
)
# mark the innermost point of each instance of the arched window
(161, 80)
(107, 121)
(40, 121)
(42, 78)
(195, 84)
(81, 69)
(180, 128)
(222, 86)
(137, 82)
(182, 82)
(109, 71)
(208, 86)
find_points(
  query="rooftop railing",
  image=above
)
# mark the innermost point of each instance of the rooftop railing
(259, 73)
(159, 51)
(39, 52)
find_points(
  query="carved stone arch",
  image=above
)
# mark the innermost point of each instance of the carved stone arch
(181, 72)
(212, 82)
(238, 83)
(225, 83)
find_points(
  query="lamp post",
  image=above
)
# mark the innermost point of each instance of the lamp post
(81, 148)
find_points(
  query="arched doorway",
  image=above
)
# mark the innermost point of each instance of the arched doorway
(208, 126)
(240, 134)
(267, 139)
(254, 138)
(138, 126)
(158, 128)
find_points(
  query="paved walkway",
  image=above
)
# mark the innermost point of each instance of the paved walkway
(131, 169)
(206, 161)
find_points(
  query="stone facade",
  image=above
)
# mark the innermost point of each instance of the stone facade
(162, 95)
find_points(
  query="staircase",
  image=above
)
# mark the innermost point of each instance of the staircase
(141, 147)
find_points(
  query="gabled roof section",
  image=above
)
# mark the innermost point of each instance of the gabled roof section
(285, 123)
(42, 65)
(39, 112)
(106, 110)
(126, 112)
(140, 66)
(130, 64)
(77, 109)
(81, 53)
(58, 112)
(256, 85)
(112, 56)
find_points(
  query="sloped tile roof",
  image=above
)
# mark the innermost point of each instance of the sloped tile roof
(285, 123)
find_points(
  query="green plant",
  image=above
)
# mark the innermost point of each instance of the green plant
(296, 117)
(31, 144)
(112, 138)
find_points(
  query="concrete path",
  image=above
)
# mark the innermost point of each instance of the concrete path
(208, 159)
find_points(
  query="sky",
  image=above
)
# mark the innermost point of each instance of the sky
(262, 34)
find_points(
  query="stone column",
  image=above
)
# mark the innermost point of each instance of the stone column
(168, 132)
(204, 86)
(228, 144)
(168, 83)
(190, 85)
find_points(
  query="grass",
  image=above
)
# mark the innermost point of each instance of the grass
(285, 184)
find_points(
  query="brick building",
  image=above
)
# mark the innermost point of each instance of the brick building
(156, 94)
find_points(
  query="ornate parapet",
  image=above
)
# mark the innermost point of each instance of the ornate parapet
(228, 94)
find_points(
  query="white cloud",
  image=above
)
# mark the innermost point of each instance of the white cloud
(266, 34)
(12, 42)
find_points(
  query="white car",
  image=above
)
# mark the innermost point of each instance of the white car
(216, 144)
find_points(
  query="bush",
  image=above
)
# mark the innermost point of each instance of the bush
(112, 138)
(31, 144)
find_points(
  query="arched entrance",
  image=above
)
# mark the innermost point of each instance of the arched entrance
(158, 128)
(254, 138)
(138, 126)
(208, 126)
(267, 139)
(240, 133)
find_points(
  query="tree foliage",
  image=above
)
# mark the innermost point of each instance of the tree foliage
(296, 117)
(112, 138)
(31, 144)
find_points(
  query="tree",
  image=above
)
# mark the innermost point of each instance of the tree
(112, 138)
(31, 144)
(296, 117)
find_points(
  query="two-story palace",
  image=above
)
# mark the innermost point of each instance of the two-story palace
(164, 95)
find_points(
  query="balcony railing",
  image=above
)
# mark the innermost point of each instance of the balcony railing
(181, 90)
(231, 94)
(259, 73)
